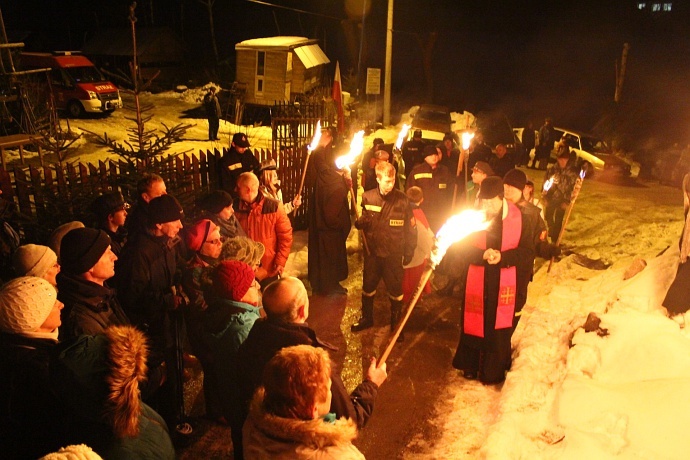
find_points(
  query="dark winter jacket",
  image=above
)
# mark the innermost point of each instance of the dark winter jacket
(412, 153)
(212, 106)
(233, 164)
(267, 337)
(89, 307)
(437, 185)
(137, 220)
(147, 274)
(563, 183)
(31, 416)
(98, 378)
(117, 239)
(502, 165)
(388, 224)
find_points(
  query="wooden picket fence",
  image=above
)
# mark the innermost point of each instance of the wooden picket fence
(48, 196)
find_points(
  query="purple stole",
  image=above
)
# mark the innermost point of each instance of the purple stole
(473, 323)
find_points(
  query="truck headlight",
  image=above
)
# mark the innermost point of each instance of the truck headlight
(92, 95)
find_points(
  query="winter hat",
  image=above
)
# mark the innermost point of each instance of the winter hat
(430, 150)
(240, 140)
(164, 208)
(57, 235)
(81, 248)
(491, 187)
(107, 204)
(449, 137)
(378, 140)
(417, 134)
(268, 164)
(232, 279)
(243, 249)
(33, 260)
(484, 167)
(196, 235)
(25, 303)
(215, 201)
(515, 178)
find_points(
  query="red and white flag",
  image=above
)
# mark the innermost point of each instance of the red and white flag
(338, 98)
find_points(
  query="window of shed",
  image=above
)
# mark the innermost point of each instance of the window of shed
(260, 63)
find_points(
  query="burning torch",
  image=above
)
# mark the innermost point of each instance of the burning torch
(311, 147)
(573, 197)
(356, 147)
(466, 139)
(401, 136)
(456, 228)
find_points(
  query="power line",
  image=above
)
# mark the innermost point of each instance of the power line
(294, 9)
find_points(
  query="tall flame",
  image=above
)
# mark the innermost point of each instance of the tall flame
(547, 184)
(356, 147)
(317, 137)
(455, 229)
(582, 174)
(402, 135)
(466, 139)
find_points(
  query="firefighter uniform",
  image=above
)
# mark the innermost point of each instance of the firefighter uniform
(437, 185)
(391, 236)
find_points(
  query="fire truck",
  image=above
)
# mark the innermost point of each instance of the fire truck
(77, 85)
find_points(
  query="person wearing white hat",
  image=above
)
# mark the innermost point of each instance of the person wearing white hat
(29, 321)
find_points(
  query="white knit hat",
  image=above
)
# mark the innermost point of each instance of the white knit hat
(25, 304)
(33, 260)
(73, 452)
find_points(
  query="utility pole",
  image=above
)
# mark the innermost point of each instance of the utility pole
(620, 74)
(389, 61)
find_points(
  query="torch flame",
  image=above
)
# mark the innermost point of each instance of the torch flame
(455, 229)
(582, 174)
(466, 138)
(547, 184)
(317, 137)
(356, 147)
(402, 135)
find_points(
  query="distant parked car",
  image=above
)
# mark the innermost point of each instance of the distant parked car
(671, 164)
(433, 120)
(593, 153)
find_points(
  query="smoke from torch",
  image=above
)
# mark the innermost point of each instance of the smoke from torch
(455, 229)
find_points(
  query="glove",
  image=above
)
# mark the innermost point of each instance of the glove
(364, 222)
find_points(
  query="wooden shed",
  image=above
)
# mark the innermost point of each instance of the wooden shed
(278, 68)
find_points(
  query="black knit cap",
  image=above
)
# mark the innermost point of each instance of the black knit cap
(164, 208)
(515, 178)
(491, 187)
(107, 204)
(81, 248)
(215, 201)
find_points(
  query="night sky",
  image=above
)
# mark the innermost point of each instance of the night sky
(529, 59)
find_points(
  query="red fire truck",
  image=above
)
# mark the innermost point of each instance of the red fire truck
(78, 86)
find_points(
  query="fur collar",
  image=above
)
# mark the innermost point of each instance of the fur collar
(313, 433)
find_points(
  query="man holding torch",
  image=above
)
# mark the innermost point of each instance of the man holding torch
(497, 277)
(557, 197)
(390, 230)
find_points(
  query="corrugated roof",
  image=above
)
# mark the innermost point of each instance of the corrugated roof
(311, 56)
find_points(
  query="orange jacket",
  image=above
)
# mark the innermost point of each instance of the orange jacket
(266, 222)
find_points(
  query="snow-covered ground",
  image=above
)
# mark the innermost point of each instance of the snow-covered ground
(570, 394)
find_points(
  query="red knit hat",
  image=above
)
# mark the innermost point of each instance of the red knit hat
(196, 235)
(232, 279)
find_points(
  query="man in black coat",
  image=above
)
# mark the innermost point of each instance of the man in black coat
(287, 309)
(329, 221)
(213, 113)
(237, 160)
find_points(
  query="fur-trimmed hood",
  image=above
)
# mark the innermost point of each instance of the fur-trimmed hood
(101, 375)
(269, 436)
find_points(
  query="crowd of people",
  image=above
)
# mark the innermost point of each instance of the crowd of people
(94, 322)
